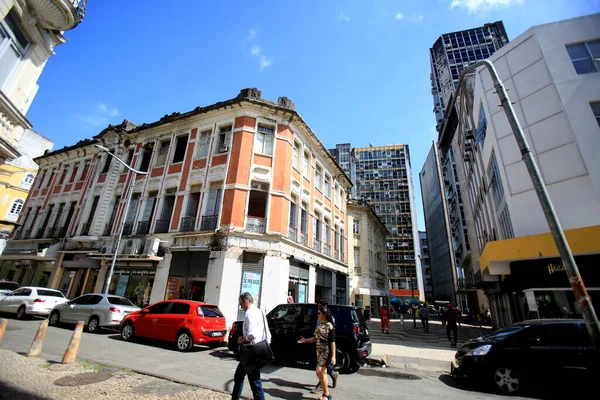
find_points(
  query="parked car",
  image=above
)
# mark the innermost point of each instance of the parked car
(95, 310)
(287, 322)
(31, 300)
(7, 287)
(528, 351)
(184, 322)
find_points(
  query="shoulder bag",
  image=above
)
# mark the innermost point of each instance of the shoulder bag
(258, 355)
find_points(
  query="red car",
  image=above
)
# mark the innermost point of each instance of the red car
(184, 322)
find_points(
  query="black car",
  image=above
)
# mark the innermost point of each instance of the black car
(537, 350)
(287, 322)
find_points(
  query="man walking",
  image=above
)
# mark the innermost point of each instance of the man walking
(384, 314)
(254, 330)
(425, 317)
(451, 317)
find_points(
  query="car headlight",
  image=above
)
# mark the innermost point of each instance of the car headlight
(479, 351)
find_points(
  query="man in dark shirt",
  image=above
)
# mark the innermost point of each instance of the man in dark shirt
(451, 317)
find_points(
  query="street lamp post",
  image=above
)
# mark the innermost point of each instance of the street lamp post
(135, 173)
(583, 299)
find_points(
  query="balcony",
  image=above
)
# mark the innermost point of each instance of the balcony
(293, 233)
(162, 226)
(209, 222)
(40, 233)
(127, 228)
(256, 224)
(187, 224)
(316, 245)
(303, 239)
(85, 230)
(336, 254)
(27, 234)
(143, 228)
(327, 249)
(52, 233)
(58, 15)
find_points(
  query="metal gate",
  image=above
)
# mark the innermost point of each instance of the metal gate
(252, 278)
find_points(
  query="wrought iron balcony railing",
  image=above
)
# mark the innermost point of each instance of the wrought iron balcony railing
(327, 249)
(52, 233)
(303, 239)
(316, 245)
(256, 224)
(62, 232)
(143, 228)
(162, 226)
(209, 222)
(27, 234)
(293, 233)
(187, 224)
(337, 254)
(40, 233)
(127, 228)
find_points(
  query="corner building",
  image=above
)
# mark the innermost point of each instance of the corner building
(240, 196)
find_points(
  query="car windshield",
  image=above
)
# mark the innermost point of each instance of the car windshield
(51, 293)
(8, 286)
(502, 333)
(119, 301)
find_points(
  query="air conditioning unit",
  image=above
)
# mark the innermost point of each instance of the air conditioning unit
(488, 38)
(131, 247)
(151, 247)
(468, 147)
(469, 135)
(467, 157)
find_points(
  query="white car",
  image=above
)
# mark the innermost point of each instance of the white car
(31, 300)
(7, 287)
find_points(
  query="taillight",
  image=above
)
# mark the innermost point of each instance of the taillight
(115, 309)
(357, 329)
(39, 301)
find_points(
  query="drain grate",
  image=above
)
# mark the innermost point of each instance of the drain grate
(82, 379)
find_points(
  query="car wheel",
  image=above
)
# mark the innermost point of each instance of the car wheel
(54, 318)
(507, 380)
(128, 331)
(93, 325)
(342, 361)
(184, 341)
(21, 313)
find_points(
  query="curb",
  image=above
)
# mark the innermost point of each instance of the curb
(388, 373)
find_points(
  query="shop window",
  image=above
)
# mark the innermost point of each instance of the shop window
(163, 150)
(180, 149)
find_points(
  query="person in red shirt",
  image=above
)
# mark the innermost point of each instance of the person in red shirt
(384, 314)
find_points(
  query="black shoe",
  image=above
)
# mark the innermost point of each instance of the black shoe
(334, 378)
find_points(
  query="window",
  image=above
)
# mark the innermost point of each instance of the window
(203, 144)
(180, 149)
(159, 308)
(209, 312)
(17, 206)
(355, 226)
(163, 150)
(146, 156)
(327, 186)
(596, 110)
(63, 175)
(293, 214)
(13, 44)
(482, 128)
(305, 164)
(179, 308)
(86, 168)
(304, 218)
(318, 177)
(224, 139)
(81, 299)
(357, 257)
(264, 140)
(107, 162)
(295, 154)
(74, 173)
(50, 293)
(29, 177)
(214, 198)
(585, 57)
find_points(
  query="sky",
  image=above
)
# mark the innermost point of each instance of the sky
(357, 70)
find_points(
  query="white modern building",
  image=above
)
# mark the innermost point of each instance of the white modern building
(552, 74)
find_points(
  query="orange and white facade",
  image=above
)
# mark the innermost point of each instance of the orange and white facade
(240, 196)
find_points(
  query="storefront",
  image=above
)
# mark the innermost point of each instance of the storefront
(541, 289)
(79, 274)
(187, 275)
(252, 278)
(323, 285)
(133, 283)
(298, 283)
(27, 272)
(340, 288)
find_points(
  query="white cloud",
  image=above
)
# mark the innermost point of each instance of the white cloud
(100, 116)
(252, 34)
(343, 17)
(263, 61)
(256, 50)
(399, 17)
(474, 6)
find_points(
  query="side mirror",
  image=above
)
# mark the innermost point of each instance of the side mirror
(144, 311)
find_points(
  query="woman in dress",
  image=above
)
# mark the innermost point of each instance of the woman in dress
(325, 340)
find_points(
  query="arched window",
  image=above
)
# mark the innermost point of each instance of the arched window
(28, 179)
(17, 206)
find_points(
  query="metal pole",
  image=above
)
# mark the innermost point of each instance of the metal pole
(412, 293)
(135, 173)
(583, 299)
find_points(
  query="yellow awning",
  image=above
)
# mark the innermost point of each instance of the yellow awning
(498, 255)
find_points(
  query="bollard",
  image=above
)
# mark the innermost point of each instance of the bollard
(3, 323)
(36, 346)
(71, 353)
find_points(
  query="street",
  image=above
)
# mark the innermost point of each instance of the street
(214, 368)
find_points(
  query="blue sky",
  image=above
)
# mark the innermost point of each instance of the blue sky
(357, 70)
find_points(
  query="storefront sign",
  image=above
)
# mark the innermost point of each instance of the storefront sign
(24, 264)
(172, 286)
(552, 268)
(251, 284)
(135, 271)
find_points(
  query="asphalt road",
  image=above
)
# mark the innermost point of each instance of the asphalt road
(214, 369)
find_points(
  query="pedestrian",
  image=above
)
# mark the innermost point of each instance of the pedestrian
(443, 315)
(325, 339)
(333, 374)
(425, 317)
(451, 317)
(254, 330)
(290, 298)
(384, 314)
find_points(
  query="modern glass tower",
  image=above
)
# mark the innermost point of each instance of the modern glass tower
(344, 155)
(452, 53)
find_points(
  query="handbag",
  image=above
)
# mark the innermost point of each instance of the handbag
(258, 355)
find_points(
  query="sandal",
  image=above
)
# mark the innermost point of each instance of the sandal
(328, 397)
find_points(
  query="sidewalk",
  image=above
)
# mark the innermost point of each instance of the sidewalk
(406, 347)
(27, 378)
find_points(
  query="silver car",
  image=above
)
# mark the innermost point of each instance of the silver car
(96, 310)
